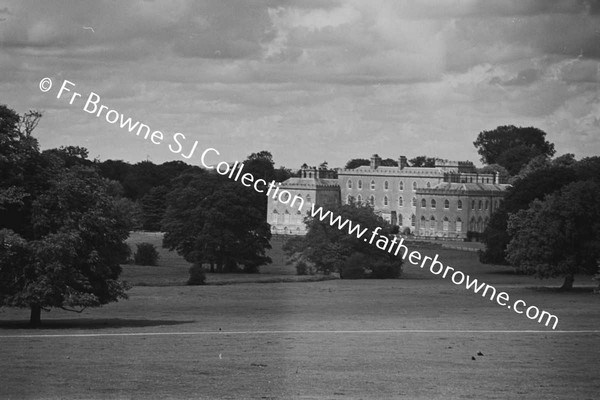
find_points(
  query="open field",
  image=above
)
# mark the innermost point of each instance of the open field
(412, 338)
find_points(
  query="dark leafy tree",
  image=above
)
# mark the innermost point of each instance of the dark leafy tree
(115, 170)
(558, 236)
(333, 250)
(140, 178)
(357, 162)
(389, 162)
(154, 205)
(61, 235)
(281, 174)
(533, 186)
(71, 155)
(422, 161)
(213, 220)
(146, 254)
(512, 147)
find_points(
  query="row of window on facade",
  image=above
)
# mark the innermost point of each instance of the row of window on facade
(476, 225)
(286, 218)
(386, 185)
(483, 205)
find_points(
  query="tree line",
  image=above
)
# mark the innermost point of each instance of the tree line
(64, 218)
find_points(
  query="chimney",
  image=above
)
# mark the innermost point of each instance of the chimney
(402, 162)
(375, 161)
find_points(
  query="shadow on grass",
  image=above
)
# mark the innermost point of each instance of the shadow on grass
(90, 323)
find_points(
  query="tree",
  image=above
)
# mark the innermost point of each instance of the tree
(213, 220)
(543, 178)
(154, 205)
(61, 234)
(512, 147)
(558, 236)
(533, 186)
(389, 162)
(71, 155)
(422, 161)
(357, 162)
(503, 174)
(333, 250)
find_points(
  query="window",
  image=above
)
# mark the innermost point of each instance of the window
(372, 200)
(385, 200)
(458, 225)
(308, 198)
(400, 201)
(275, 217)
(286, 217)
(349, 184)
(386, 185)
(446, 204)
(400, 221)
(414, 186)
(480, 204)
(432, 222)
(433, 203)
(401, 185)
(473, 205)
(423, 203)
(486, 204)
(372, 185)
(428, 185)
(348, 199)
(359, 184)
(472, 224)
(459, 206)
(414, 201)
(445, 224)
(413, 220)
(359, 199)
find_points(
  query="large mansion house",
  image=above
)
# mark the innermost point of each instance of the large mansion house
(447, 200)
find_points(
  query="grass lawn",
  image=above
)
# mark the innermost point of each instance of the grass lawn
(172, 269)
(411, 338)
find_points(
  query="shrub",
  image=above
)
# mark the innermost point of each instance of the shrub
(353, 267)
(406, 231)
(146, 254)
(197, 275)
(305, 268)
(301, 268)
(473, 236)
(387, 269)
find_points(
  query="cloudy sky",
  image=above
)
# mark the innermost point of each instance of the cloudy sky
(308, 80)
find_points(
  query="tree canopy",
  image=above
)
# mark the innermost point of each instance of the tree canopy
(546, 178)
(213, 220)
(422, 161)
(356, 162)
(61, 233)
(559, 235)
(333, 250)
(512, 147)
